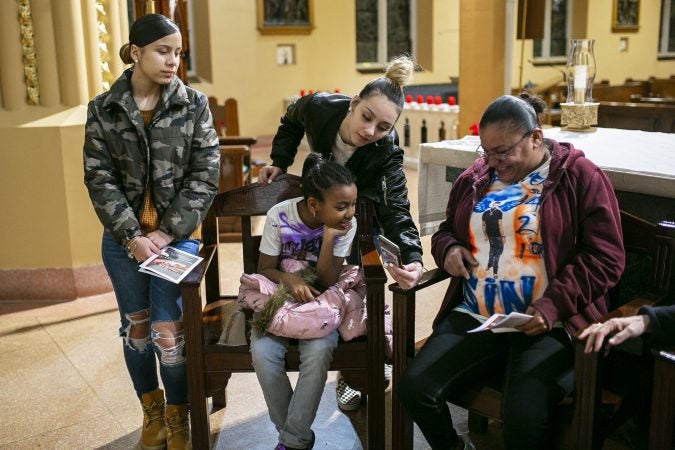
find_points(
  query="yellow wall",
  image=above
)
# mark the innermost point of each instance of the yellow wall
(244, 62)
(48, 220)
(639, 62)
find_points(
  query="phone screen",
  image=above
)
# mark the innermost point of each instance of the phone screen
(389, 252)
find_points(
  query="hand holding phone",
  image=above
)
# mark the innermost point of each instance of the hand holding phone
(389, 252)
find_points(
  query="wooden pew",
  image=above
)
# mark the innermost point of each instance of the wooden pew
(604, 92)
(662, 87)
(637, 116)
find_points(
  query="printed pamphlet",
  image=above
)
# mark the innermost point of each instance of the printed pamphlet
(171, 264)
(503, 323)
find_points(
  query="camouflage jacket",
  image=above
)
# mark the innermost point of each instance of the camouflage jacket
(178, 153)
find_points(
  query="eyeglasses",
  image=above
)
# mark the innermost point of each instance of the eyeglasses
(501, 156)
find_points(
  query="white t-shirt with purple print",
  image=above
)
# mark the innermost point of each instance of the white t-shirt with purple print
(286, 235)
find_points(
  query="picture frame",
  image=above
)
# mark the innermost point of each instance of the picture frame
(285, 17)
(625, 16)
(285, 54)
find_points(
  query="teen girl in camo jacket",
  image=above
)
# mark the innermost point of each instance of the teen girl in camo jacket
(151, 163)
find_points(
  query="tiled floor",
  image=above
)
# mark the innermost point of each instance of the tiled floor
(63, 383)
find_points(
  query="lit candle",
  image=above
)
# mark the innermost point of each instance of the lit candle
(580, 74)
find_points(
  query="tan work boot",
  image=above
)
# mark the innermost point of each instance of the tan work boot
(178, 427)
(153, 434)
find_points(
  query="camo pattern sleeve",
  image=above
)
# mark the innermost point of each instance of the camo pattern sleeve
(104, 181)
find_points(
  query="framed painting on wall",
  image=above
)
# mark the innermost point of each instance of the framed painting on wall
(625, 15)
(285, 16)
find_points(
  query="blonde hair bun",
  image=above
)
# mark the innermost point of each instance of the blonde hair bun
(400, 70)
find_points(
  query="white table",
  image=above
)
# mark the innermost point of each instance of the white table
(637, 162)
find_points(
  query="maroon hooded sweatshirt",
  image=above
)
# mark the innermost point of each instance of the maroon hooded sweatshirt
(581, 232)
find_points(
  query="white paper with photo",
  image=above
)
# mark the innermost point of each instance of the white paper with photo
(502, 323)
(172, 264)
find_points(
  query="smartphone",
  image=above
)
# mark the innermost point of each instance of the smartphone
(389, 252)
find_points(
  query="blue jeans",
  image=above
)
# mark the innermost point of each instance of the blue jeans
(145, 300)
(538, 373)
(292, 412)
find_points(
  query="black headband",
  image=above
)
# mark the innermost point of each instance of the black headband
(149, 28)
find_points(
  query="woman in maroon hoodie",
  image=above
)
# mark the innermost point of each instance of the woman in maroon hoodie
(561, 250)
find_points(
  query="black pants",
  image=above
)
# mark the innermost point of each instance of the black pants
(537, 375)
(496, 249)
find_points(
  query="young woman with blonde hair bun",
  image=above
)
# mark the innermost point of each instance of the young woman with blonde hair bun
(358, 132)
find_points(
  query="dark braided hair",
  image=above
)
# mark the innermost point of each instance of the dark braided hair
(318, 176)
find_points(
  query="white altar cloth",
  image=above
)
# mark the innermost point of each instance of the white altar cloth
(635, 161)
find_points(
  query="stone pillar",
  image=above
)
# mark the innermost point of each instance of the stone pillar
(69, 39)
(50, 50)
(92, 54)
(45, 50)
(118, 31)
(481, 58)
(13, 83)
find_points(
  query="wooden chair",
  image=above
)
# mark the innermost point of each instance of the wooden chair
(225, 117)
(235, 171)
(663, 400)
(483, 399)
(210, 365)
(235, 159)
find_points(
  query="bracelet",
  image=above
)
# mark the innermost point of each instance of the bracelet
(130, 246)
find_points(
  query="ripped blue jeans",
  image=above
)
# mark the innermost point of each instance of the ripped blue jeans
(151, 312)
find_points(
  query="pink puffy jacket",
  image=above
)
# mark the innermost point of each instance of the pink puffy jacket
(341, 306)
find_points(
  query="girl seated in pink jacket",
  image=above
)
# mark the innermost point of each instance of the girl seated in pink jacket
(293, 243)
(303, 290)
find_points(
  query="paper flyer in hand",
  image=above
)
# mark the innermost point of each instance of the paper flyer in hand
(171, 264)
(503, 323)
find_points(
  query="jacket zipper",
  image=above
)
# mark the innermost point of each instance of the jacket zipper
(384, 189)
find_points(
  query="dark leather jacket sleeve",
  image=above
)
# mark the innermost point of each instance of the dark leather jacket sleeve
(393, 210)
(378, 167)
(291, 130)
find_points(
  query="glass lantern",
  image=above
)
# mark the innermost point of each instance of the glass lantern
(579, 112)
(580, 71)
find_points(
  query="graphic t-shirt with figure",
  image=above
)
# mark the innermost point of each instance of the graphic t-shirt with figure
(505, 238)
(286, 235)
(493, 230)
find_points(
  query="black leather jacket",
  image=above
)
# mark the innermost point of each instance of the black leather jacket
(378, 167)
